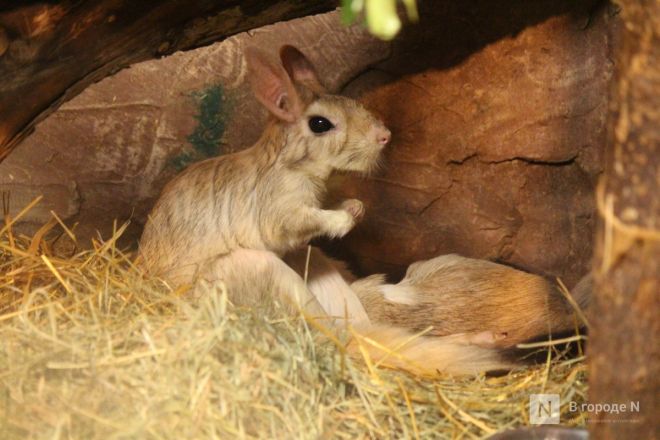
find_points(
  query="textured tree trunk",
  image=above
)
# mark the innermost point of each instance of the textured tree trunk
(50, 51)
(625, 350)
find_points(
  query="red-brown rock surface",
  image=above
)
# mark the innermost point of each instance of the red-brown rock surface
(495, 150)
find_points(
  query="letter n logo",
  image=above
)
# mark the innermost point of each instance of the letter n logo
(543, 409)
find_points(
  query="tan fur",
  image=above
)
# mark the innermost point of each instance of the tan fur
(327, 281)
(256, 278)
(454, 294)
(388, 343)
(230, 218)
(476, 309)
(423, 355)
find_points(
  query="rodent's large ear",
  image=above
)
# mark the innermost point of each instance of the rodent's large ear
(300, 69)
(272, 86)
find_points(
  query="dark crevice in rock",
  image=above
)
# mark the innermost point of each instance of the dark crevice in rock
(462, 160)
(530, 160)
(533, 161)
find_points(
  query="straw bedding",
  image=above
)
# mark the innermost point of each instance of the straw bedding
(91, 348)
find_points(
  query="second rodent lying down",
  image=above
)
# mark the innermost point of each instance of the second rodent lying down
(471, 306)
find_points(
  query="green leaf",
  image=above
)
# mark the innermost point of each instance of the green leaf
(347, 12)
(382, 19)
(411, 9)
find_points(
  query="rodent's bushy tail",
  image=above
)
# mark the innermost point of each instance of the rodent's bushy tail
(397, 348)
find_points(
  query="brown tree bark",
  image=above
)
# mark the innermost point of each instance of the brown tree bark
(50, 51)
(625, 351)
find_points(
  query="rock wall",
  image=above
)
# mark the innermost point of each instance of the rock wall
(498, 111)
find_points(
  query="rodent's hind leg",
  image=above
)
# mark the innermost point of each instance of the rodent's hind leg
(255, 278)
(328, 280)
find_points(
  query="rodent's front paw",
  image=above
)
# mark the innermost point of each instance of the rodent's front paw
(354, 207)
(341, 224)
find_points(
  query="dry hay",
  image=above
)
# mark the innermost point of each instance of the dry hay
(90, 348)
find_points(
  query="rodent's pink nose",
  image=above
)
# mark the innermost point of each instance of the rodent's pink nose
(383, 136)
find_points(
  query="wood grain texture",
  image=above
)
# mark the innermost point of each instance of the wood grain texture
(56, 49)
(624, 352)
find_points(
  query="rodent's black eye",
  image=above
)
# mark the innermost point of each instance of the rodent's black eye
(319, 124)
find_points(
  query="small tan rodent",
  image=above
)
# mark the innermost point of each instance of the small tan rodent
(477, 309)
(230, 218)
(455, 294)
